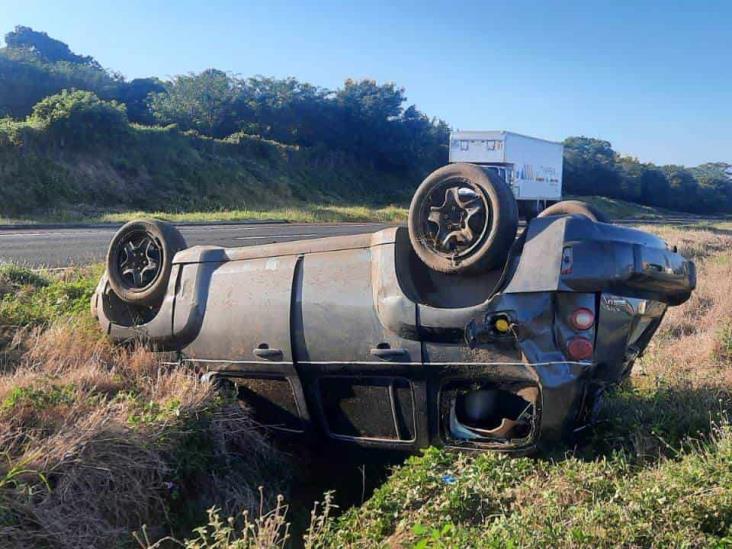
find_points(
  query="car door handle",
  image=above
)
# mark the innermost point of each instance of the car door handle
(266, 352)
(387, 352)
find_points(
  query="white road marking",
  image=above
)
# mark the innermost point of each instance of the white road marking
(23, 234)
(274, 236)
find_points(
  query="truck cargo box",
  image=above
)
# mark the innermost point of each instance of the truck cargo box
(531, 166)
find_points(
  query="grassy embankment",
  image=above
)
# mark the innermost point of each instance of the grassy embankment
(165, 173)
(187, 177)
(293, 214)
(622, 209)
(115, 437)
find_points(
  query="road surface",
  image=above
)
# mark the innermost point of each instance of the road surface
(64, 247)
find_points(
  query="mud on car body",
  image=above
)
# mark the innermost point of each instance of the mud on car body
(361, 340)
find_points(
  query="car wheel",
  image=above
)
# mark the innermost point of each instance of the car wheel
(576, 207)
(140, 258)
(463, 219)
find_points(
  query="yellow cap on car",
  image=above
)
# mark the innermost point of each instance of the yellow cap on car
(502, 325)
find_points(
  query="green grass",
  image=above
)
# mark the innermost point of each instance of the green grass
(303, 214)
(38, 397)
(30, 297)
(294, 214)
(619, 209)
(162, 169)
(493, 500)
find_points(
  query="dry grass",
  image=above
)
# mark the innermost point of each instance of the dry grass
(682, 385)
(98, 441)
(691, 348)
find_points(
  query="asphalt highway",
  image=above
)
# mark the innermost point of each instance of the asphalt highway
(64, 247)
(56, 247)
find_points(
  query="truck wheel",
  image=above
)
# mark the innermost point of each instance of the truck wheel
(462, 219)
(140, 258)
(576, 207)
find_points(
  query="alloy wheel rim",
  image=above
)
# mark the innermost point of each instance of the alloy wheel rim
(139, 260)
(456, 217)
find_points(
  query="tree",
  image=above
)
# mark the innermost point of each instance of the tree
(370, 116)
(34, 66)
(285, 110)
(46, 48)
(209, 102)
(136, 95)
(683, 187)
(654, 187)
(590, 167)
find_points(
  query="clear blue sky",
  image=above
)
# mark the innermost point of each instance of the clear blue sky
(654, 78)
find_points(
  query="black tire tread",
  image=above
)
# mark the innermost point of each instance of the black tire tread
(172, 241)
(493, 252)
(576, 207)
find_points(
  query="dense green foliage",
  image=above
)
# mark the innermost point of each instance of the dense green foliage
(592, 167)
(80, 117)
(363, 119)
(358, 142)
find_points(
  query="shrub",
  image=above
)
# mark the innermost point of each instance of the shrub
(78, 118)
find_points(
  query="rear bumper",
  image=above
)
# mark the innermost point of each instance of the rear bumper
(634, 270)
(575, 254)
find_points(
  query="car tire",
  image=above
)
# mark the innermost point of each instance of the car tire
(463, 219)
(140, 258)
(576, 207)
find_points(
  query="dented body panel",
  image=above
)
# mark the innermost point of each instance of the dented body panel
(353, 339)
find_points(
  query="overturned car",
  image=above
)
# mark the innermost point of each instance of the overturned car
(453, 331)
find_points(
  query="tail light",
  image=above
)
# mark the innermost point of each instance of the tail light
(582, 319)
(579, 348)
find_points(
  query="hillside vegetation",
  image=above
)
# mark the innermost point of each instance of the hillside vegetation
(78, 140)
(156, 168)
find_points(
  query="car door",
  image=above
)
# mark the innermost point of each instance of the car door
(357, 372)
(247, 314)
(336, 319)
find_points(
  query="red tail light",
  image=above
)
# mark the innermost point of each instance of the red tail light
(582, 319)
(579, 348)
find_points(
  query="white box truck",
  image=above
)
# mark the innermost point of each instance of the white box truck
(531, 166)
